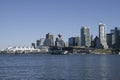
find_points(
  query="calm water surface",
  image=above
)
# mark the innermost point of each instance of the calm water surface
(59, 67)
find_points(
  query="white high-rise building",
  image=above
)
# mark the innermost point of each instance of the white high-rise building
(102, 36)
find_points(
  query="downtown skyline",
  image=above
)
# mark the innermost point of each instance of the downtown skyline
(22, 22)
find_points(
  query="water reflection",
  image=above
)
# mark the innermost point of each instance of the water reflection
(54, 67)
(104, 72)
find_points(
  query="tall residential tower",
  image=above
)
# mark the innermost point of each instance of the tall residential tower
(85, 37)
(117, 38)
(49, 41)
(74, 41)
(102, 36)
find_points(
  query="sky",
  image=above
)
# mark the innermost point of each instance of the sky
(22, 22)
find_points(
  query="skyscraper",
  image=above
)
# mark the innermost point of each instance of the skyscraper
(74, 41)
(117, 38)
(49, 41)
(42, 41)
(85, 37)
(49, 36)
(37, 43)
(110, 40)
(59, 42)
(102, 36)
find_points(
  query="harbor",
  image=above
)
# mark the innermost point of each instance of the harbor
(57, 50)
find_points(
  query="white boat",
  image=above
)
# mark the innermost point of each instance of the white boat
(65, 52)
(59, 52)
(118, 53)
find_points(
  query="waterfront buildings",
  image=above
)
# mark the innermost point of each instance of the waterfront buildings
(110, 40)
(25, 50)
(95, 42)
(59, 42)
(102, 36)
(49, 36)
(103, 41)
(85, 37)
(42, 41)
(33, 45)
(19, 49)
(74, 41)
(117, 38)
(66, 44)
(37, 43)
(49, 41)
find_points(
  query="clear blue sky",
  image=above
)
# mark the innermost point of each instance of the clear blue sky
(24, 21)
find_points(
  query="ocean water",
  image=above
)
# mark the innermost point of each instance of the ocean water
(59, 67)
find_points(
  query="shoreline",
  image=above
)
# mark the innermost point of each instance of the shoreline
(72, 51)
